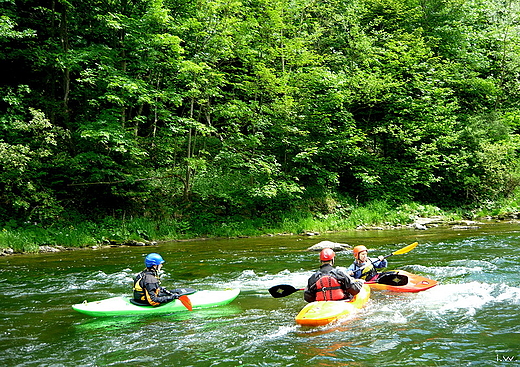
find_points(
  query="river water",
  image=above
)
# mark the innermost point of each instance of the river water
(472, 318)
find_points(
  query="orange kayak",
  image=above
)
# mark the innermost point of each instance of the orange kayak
(416, 283)
(323, 312)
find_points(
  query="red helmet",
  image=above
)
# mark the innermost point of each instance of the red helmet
(358, 249)
(327, 254)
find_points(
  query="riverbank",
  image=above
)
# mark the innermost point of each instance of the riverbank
(38, 240)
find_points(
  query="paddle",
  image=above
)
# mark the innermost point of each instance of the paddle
(283, 290)
(404, 250)
(183, 296)
(186, 302)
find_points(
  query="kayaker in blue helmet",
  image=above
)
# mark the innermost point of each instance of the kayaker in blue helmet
(329, 283)
(147, 289)
(365, 267)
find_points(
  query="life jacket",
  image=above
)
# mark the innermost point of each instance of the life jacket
(140, 292)
(329, 289)
(368, 272)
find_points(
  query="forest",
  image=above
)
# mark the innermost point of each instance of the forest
(190, 112)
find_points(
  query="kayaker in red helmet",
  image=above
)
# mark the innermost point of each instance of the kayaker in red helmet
(147, 289)
(329, 283)
(365, 267)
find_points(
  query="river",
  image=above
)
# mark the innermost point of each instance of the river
(472, 318)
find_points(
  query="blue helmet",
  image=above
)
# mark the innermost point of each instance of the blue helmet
(153, 259)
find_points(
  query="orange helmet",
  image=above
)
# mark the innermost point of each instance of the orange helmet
(327, 254)
(358, 249)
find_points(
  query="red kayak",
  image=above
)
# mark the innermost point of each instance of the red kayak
(401, 281)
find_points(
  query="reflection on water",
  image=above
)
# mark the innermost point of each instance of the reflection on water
(468, 319)
(120, 322)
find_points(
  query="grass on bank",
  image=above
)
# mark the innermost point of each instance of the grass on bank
(84, 234)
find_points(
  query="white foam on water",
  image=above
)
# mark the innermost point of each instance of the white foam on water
(282, 331)
(100, 278)
(455, 268)
(508, 294)
(384, 312)
(468, 297)
(440, 303)
(250, 280)
(381, 345)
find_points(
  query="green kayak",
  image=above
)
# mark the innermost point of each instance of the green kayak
(122, 306)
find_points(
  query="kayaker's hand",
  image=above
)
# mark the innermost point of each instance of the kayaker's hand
(380, 257)
(173, 297)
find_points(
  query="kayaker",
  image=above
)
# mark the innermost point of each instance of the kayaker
(363, 266)
(329, 283)
(147, 289)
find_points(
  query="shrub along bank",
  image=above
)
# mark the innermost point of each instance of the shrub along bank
(143, 231)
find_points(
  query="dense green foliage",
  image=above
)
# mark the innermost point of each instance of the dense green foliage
(210, 109)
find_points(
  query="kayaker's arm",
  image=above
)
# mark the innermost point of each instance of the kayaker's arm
(168, 293)
(355, 287)
(380, 262)
(157, 296)
(355, 271)
(309, 294)
(351, 285)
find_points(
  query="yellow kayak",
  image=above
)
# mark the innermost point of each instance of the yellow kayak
(323, 312)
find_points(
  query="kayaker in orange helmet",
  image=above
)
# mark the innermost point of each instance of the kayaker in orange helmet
(365, 267)
(147, 289)
(329, 283)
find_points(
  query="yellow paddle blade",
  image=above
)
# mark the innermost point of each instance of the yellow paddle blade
(406, 249)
